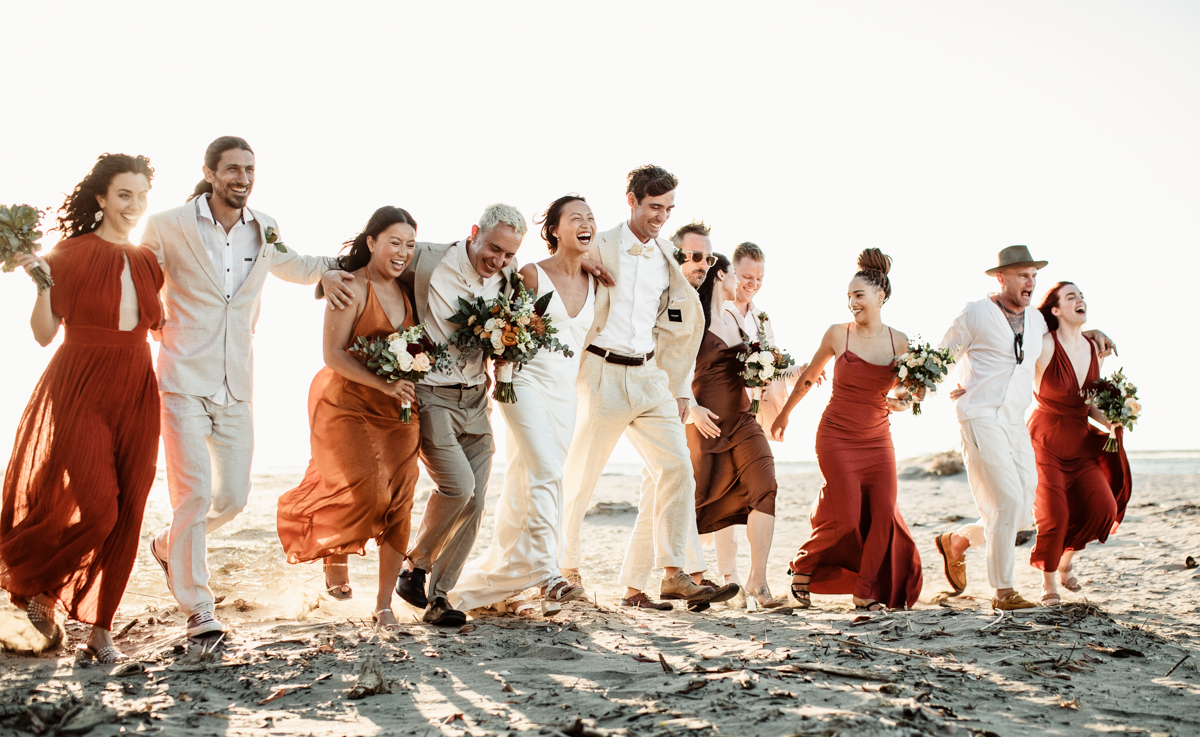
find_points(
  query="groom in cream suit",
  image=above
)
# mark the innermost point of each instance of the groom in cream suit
(215, 255)
(642, 344)
(456, 427)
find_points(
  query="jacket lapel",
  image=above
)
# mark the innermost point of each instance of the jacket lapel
(428, 259)
(191, 234)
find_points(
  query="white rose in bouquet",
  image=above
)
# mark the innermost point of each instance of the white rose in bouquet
(404, 360)
(498, 342)
(768, 370)
(766, 358)
(397, 345)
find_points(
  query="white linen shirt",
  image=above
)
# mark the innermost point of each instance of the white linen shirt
(996, 385)
(631, 318)
(455, 277)
(233, 255)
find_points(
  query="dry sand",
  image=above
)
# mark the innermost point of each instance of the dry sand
(293, 659)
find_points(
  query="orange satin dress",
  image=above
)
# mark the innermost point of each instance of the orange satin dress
(1082, 490)
(859, 543)
(85, 452)
(359, 484)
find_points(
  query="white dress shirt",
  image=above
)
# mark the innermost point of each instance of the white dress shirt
(232, 255)
(996, 385)
(634, 311)
(455, 277)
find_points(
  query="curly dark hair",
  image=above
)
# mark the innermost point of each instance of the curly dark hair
(77, 216)
(552, 215)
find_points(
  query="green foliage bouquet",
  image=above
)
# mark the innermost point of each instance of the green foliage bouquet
(19, 234)
(410, 355)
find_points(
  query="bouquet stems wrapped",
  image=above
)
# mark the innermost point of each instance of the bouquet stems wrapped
(19, 234)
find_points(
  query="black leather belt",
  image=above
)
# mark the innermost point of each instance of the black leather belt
(619, 359)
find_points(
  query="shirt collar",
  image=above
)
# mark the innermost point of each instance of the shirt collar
(628, 239)
(205, 211)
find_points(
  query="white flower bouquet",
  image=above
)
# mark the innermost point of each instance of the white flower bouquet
(923, 367)
(1116, 398)
(762, 362)
(408, 355)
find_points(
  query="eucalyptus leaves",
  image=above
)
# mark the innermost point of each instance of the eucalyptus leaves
(19, 234)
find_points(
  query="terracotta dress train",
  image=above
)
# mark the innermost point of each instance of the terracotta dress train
(1082, 490)
(735, 472)
(859, 543)
(85, 452)
(359, 484)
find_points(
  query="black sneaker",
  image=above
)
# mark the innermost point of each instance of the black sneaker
(411, 588)
(443, 615)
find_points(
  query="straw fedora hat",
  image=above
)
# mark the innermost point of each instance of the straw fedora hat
(1014, 256)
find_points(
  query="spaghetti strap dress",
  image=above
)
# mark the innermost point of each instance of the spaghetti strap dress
(86, 447)
(859, 544)
(735, 472)
(360, 481)
(1082, 490)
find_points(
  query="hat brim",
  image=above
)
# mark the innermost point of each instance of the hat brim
(1039, 265)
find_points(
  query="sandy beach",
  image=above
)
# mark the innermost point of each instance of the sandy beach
(299, 663)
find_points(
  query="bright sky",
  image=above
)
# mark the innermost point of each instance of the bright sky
(939, 132)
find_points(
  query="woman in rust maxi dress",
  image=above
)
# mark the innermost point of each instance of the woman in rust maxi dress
(859, 544)
(359, 484)
(84, 458)
(1082, 490)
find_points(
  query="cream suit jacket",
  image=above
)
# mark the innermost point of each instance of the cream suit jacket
(206, 338)
(676, 342)
(426, 257)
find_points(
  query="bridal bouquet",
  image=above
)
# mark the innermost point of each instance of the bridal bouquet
(923, 366)
(19, 234)
(762, 362)
(408, 355)
(1117, 399)
(509, 328)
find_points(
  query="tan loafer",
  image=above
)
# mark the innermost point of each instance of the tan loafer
(1013, 602)
(681, 586)
(955, 569)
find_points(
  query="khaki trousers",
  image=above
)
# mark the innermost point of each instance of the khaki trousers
(1002, 471)
(633, 400)
(457, 449)
(209, 448)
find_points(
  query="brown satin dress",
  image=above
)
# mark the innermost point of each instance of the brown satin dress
(359, 484)
(859, 543)
(85, 451)
(735, 473)
(1082, 490)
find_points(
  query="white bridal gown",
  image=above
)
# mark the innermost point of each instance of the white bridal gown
(525, 545)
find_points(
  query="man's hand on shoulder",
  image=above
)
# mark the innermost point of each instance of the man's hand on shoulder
(337, 292)
(1104, 344)
(596, 269)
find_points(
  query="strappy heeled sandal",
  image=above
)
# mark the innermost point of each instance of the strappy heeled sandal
(107, 655)
(801, 595)
(45, 620)
(872, 606)
(1051, 599)
(391, 629)
(1070, 583)
(520, 607)
(763, 599)
(559, 589)
(341, 591)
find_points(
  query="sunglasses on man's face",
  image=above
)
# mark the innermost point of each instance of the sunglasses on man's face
(698, 256)
(1018, 347)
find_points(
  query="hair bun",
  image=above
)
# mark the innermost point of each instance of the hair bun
(872, 259)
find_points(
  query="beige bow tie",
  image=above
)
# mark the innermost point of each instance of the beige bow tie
(640, 250)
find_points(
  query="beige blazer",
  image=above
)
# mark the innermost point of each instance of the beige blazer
(426, 257)
(675, 342)
(207, 338)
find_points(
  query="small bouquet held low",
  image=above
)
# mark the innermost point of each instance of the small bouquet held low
(408, 355)
(19, 234)
(923, 367)
(763, 362)
(508, 328)
(1116, 398)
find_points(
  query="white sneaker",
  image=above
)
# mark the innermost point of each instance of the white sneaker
(203, 622)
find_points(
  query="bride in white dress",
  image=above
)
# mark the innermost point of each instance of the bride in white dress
(524, 552)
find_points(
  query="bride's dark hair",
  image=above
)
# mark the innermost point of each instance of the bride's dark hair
(77, 216)
(710, 283)
(873, 267)
(382, 219)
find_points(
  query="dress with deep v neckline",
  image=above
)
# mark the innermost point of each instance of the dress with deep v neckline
(526, 541)
(1082, 491)
(360, 481)
(859, 544)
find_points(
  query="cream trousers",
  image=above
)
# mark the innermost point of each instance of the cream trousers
(633, 400)
(208, 448)
(1002, 472)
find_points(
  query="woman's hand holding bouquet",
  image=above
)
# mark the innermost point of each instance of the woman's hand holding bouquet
(1116, 399)
(405, 356)
(762, 362)
(921, 368)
